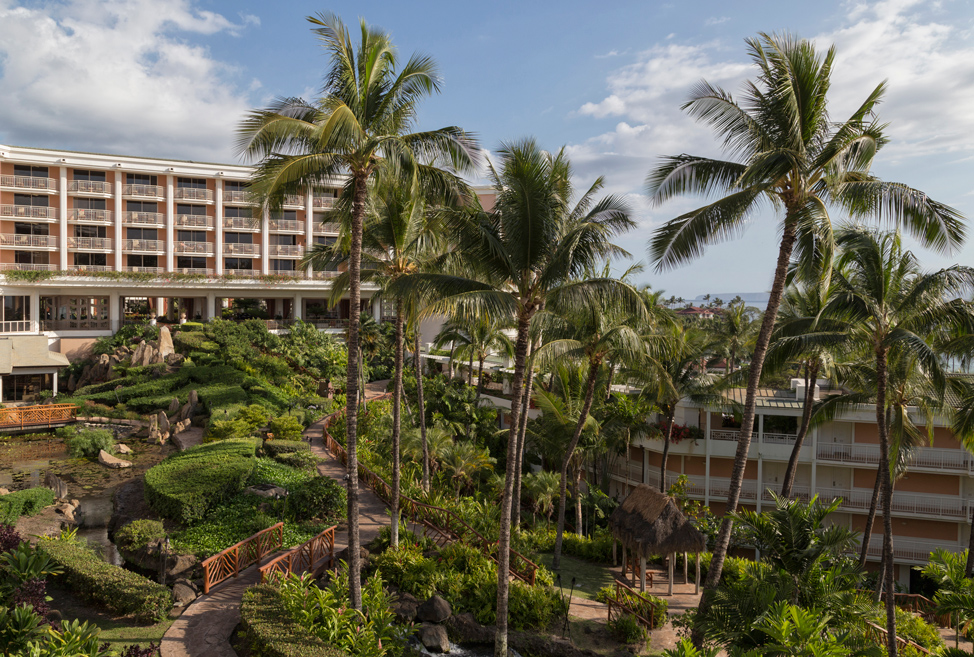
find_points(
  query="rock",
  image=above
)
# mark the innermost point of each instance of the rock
(4, 491)
(67, 511)
(54, 616)
(183, 594)
(107, 459)
(405, 612)
(72, 384)
(153, 423)
(157, 437)
(434, 638)
(75, 503)
(464, 628)
(173, 406)
(181, 566)
(163, 421)
(56, 484)
(138, 353)
(267, 490)
(434, 610)
(363, 555)
(181, 426)
(194, 398)
(166, 347)
(122, 448)
(407, 597)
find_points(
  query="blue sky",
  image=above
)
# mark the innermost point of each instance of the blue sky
(172, 78)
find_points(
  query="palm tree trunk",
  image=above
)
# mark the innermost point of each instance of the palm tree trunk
(608, 383)
(480, 379)
(810, 376)
(450, 371)
(870, 519)
(666, 448)
(504, 535)
(352, 390)
(470, 368)
(521, 433)
(747, 423)
(422, 414)
(887, 496)
(593, 372)
(396, 426)
(969, 568)
(578, 502)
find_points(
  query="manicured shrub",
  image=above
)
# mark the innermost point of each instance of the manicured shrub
(273, 632)
(139, 533)
(24, 503)
(277, 447)
(321, 497)
(287, 428)
(299, 460)
(120, 590)
(186, 485)
(87, 442)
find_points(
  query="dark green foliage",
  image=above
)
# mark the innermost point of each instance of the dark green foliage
(321, 497)
(273, 632)
(186, 485)
(186, 342)
(277, 446)
(86, 442)
(127, 335)
(454, 403)
(120, 590)
(286, 428)
(596, 548)
(626, 629)
(24, 503)
(139, 533)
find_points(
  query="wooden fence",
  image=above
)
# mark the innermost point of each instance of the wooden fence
(21, 417)
(237, 557)
(444, 524)
(314, 556)
(628, 601)
(879, 635)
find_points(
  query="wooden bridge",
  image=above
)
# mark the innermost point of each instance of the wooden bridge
(28, 418)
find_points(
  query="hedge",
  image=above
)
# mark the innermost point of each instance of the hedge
(118, 589)
(24, 503)
(186, 485)
(272, 631)
(278, 447)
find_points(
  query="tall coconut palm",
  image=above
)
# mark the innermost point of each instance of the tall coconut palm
(898, 312)
(526, 251)
(733, 333)
(788, 153)
(361, 125)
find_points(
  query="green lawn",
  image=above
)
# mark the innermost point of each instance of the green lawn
(589, 577)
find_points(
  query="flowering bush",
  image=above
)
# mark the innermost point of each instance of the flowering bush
(681, 432)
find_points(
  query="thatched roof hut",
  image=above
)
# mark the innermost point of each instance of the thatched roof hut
(650, 523)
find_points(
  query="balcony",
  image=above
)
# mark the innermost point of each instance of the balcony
(90, 243)
(324, 275)
(241, 249)
(84, 268)
(286, 226)
(720, 487)
(100, 188)
(152, 219)
(285, 250)
(293, 201)
(193, 194)
(326, 229)
(196, 271)
(144, 191)
(14, 241)
(144, 270)
(243, 273)
(32, 212)
(323, 202)
(194, 221)
(919, 504)
(203, 248)
(30, 183)
(27, 266)
(864, 454)
(236, 196)
(78, 216)
(909, 549)
(144, 246)
(627, 469)
(725, 434)
(287, 273)
(20, 326)
(83, 323)
(242, 223)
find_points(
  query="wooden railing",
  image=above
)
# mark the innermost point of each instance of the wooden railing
(237, 557)
(313, 557)
(628, 601)
(879, 635)
(443, 523)
(32, 416)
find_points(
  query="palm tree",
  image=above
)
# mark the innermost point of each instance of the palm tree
(461, 460)
(453, 333)
(733, 333)
(487, 336)
(360, 126)
(543, 488)
(526, 251)
(788, 152)
(898, 312)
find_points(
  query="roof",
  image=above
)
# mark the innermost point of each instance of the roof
(28, 351)
(650, 523)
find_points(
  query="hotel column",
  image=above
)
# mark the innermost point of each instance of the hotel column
(760, 486)
(210, 306)
(63, 220)
(219, 231)
(811, 484)
(309, 228)
(296, 307)
(706, 464)
(35, 310)
(119, 230)
(265, 246)
(115, 311)
(170, 225)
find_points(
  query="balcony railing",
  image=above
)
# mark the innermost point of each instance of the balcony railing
(325, 228)
(90, 243)
(194, 270)
(285, 250)
(83, 268)
(243, 273)
(235, 196)
(194, 220)
(205, 248)
(15, 241)
(144, 191)
(910, 549)
(29, 182)
(240, 223)
(286, 226)
(89, 187)
(144, 270)
(90, 216)
(143, 219)
(144, 246)
(797, 492)
(193, 194)
(86, 323)
(778, 438)
(18, 326)
(720, 487)
(940, 506)
(294, 201)
(323, 275)
(237, 248)
(323, 202)
(925, 457)
(27, 266)
(725, 434)
(33, 212)
(629, 469)
(290, 273)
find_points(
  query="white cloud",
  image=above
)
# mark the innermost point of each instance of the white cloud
(715, 20)
(120, 76)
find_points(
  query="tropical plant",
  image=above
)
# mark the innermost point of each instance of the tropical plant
(360, 125)
(543, 488)
(788, 151)
(461, 461)
(733, 333)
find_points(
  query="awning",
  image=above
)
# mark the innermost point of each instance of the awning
(24, 351)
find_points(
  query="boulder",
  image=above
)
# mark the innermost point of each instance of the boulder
(183, 594)
(363, 555)
(138, 353)
(110, 461)
(153, 423)
(4, 491)
(173, 406)
(434, 638)
(405, 612)
(434, 610)
(122, 448)
(75, 503)
(56, 484)
(166, 347)
(72, 384)
(267, 490)
(163, 421)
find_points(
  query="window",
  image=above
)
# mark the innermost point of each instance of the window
(234, 212)
(287, 240)
(238, 263)
(282, 265)
(90, 204)
(91, 176)
(195, 210)
(328, 241)
(21, 228)
(15, 309)
(190, 236)
(187, 262)
(91, 259)
(32, 257)
(142, 206)
(32, 200)
(236, 185)
(30, 171)
(90, 231)
(140, 179)
(143, 260)
(191, 183)
(238, 238)
(287, 215)
(141, 233)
